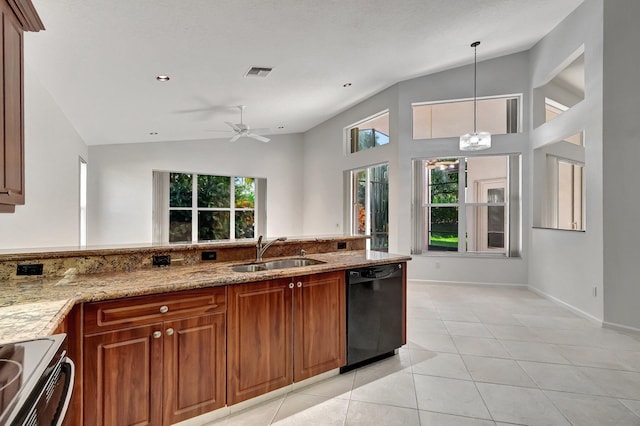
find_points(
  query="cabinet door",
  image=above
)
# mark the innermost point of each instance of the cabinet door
(319, 324)
(194, 366)
(11, 145)
(123, 377)
(258, 339)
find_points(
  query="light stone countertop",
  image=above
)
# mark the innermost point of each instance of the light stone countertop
(34, 308)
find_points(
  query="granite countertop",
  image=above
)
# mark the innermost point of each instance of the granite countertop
(34, 308)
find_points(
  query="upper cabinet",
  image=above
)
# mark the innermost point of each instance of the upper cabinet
(17, 16)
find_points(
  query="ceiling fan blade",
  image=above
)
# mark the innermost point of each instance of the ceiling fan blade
(261, 130)
(233, 126)
(235, 137)
(258, 137)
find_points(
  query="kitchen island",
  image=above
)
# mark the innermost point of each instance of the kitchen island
(165, 319)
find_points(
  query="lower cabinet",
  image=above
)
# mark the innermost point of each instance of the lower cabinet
(158, 373)
(283, 330)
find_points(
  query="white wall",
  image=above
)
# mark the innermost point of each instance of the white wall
(565, 264)
(50, 216)
(620, 163)
(120, 181)
(326, 161)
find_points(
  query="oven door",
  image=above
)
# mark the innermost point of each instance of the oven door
(51, 401)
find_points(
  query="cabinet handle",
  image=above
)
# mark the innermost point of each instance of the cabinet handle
(164, 309)
(291, 285)
(299, 284)
(5, 192)
(169, 331)
(157, 334)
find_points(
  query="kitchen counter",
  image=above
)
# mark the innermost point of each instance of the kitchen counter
(35, 307)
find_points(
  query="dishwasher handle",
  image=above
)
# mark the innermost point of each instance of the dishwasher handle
(375, 272)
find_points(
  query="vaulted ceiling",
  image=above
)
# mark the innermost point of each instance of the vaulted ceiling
(99, 58)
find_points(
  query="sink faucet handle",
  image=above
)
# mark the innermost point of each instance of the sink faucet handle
(303, 252)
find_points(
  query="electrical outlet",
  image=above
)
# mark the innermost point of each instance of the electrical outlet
(342, 245)
(29, 269)
(209, 255)
(162, 260)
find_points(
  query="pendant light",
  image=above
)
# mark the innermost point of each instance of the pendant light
(475, 141)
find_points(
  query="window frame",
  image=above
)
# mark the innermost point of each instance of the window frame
(353, 203)
(232, 209)
(518, 118)
(348, 140)
(421, 220)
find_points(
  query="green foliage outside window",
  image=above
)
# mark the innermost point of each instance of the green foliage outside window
(443, 185)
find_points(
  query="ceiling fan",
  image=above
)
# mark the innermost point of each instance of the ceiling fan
(243, 130)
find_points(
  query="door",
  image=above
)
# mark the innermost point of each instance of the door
(194, 366)
(258, 339)
(491, 224)
(319, 324)
(123, 377)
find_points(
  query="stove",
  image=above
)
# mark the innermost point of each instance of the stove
(36, 379)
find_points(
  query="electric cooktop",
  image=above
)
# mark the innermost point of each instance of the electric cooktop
(22, 365)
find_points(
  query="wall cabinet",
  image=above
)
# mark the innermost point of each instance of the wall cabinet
(154, 360)
(16, 17)
(284, 330)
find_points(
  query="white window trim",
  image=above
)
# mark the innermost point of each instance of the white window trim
(519, 96)
(512, 210)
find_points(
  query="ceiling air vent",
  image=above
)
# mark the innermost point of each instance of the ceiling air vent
(258, 72)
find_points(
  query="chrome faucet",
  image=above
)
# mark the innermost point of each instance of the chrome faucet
(260, 248)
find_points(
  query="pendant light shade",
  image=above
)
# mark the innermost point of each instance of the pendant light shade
(475, 141)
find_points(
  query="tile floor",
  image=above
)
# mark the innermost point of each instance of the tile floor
(478, 356)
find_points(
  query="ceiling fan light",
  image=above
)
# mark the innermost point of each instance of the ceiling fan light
(476, 141)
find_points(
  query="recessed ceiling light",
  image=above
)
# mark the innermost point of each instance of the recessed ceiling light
(346, 85)
(163, 78)
(153, 133)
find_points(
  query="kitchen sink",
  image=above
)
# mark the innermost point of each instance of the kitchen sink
(276, 264)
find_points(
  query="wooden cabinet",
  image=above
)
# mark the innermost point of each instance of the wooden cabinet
(154, 360)
(16, 17)
(282, 331)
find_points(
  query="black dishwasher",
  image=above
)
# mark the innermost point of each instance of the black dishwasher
(374, 313)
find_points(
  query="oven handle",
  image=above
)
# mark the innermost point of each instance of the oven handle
(67, 364)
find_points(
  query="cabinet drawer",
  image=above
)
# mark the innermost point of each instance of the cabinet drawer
(120, 313)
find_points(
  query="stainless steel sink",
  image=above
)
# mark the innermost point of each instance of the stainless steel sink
(276, 264)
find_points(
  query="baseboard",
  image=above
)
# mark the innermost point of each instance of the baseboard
(570, 307)
(468, 283)
(620, 327)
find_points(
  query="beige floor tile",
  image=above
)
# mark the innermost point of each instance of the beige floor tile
(558, 377)
(415, 326)
(431, 342)
(470, 329)
(497, 370)
(449, 396)
(589, 410)
(303, 410)
(518, 405)
(632, 405)
(440, 364)
(533, 351)
(465, 315)
(512, 332)
(393, 389)
(259, 415)
(334, 387)
(430, 418)
(366, 414)
(619, 384)
(480, 346)
(585, 356)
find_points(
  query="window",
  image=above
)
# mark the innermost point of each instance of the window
(369, 133)
(83, 202)
(563, 91)
(497, 116)
(463, 205)
(191, 207)
(370, 205)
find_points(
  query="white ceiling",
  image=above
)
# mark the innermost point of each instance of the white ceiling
(99, 58)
